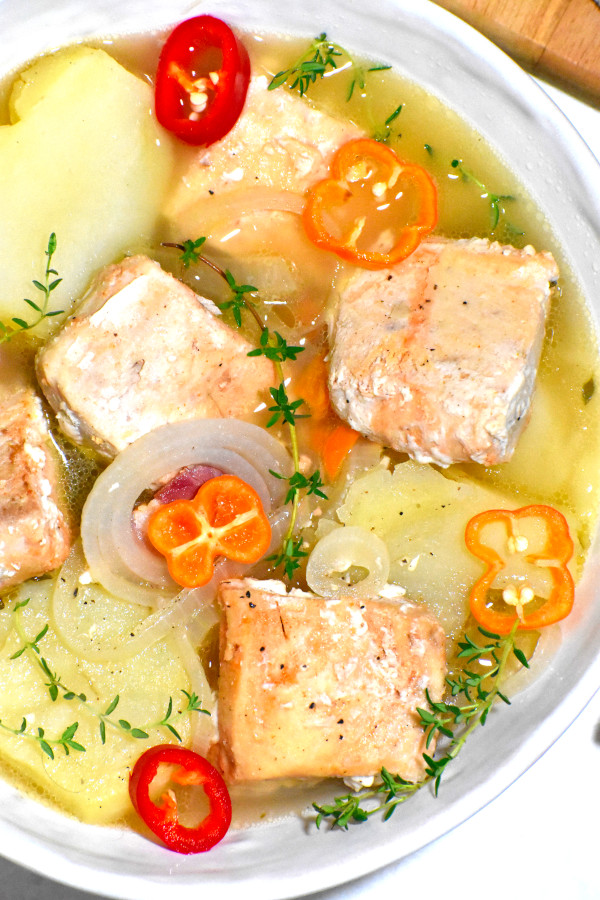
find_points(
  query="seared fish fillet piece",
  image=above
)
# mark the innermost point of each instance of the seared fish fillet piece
(35, 534)
(437, 356)
(142, 351)
(317, 687)
(280, 142)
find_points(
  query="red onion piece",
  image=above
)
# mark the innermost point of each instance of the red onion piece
(185, 485)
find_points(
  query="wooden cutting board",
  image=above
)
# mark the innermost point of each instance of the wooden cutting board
(557, 39)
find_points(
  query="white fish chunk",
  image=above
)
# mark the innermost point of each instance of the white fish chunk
(318, 687)
(280, 142)
(437, 356)
(145, 350)
(35, 532)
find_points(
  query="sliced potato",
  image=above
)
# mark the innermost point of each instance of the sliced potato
(84, 158)
(421, 516)
(81, 782)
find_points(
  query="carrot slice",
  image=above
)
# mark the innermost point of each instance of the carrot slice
(336, 447)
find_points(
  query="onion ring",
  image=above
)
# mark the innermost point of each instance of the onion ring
(69, 594)
(117, 557)
(334, 556)
(203, 726)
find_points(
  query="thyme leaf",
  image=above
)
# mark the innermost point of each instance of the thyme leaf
(65, 740)
(289, 556)
(275, 348)
(384, 133)
(360, 79)
(452, 722)
(321, 58)
(284, 408)
(238, 300)
(496, 201)
(46, 287)
(190, 251)
(588, 390)
(299, 482)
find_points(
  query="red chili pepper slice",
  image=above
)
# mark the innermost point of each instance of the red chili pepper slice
(201, 80)
(184, 767)
(374, 209)
(553, 556)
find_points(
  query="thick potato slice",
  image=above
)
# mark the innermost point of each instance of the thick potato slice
(92, 785)
(421, 516)
(84, 158)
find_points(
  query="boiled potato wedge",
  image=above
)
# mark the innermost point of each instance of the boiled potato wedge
(79, 781)
(83, 157)
(421, 516)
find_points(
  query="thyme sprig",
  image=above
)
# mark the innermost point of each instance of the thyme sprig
(496, 201)
(321, 58)
(360, 79)
(57, 688)
(384, 133)
(66, 739)
(18, 325)
(451, 722)
(284, 410)
(289, 556)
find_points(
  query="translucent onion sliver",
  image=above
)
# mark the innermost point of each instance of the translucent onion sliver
(204, 727)
(117, 558)
(337, 553)
(69, 593)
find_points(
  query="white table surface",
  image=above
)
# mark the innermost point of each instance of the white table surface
(538, 839)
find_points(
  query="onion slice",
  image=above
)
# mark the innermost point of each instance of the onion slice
(335, 556)
(224, 209)
(121, 560)
(69, 594)
(204, 728)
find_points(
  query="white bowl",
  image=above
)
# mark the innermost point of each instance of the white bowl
(288, 859)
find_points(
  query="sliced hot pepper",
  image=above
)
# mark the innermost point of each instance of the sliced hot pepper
(201, 80)
(225, 518)
(552, 556)
(183, 767)
(374, 209)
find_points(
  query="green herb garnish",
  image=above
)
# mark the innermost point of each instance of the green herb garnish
(384, 134)
(56, 688)
(588, 390)
(320, 58)
(66, 739)
(451, 722)
(496, 201)
(190, 253)
(18, 325)
(275, 348)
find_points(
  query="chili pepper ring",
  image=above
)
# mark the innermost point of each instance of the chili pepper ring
(201, 81)
(188, 768)
(555, 555)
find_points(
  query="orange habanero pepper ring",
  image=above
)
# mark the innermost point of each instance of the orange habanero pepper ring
(225, 518)
(364, 199)
(554, 556)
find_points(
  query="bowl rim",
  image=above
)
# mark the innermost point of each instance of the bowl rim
(568, 154)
